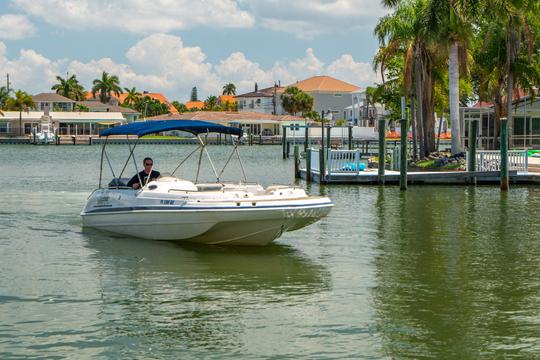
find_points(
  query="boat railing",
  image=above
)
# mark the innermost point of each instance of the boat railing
(490, 160)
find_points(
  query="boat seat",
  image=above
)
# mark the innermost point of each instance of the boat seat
(118, 182)
(209, 187)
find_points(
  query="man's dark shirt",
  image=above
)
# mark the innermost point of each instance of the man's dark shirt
(135, 179)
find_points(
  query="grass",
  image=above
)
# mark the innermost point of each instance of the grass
(162, 137)
(425, 164)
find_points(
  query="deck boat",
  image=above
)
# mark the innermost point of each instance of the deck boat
(170, 208)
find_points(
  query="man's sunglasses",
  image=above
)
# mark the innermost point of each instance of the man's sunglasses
(147, 164)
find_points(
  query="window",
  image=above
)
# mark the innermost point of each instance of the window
(4, 127)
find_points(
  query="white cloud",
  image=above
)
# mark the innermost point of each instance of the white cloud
(138, 16)
(31, 71)
(161, 63)
(309, 18)
(14, 27)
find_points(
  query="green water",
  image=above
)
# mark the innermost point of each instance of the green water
(436, 272)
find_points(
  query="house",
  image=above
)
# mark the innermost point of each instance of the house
(154, 96)
(190, 105)
(329, 94)
(523, 126)
(53, 101)
(264, 101)
(251, 122)
(97, 106)
(67, 122)
(227, 101)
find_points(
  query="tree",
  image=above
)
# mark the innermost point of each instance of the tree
(295, 100)
(82, 108)
(69, 88)
(150, 107)
(179, 106)
(210, 104)
(21, 102)
(4, 95)
(194, 94)
(229, 89)
(132, 96)
(105, 86)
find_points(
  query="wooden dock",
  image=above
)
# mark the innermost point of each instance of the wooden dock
(370, 177)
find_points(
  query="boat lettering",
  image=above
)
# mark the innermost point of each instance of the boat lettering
(167, 202)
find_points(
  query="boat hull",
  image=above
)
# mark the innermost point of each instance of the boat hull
(255, 226)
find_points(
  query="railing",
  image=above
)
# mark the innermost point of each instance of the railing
(490, 160)
(345, 162)
(315, 160)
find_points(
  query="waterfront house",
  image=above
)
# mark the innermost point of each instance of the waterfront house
(263, 101)
(251, 122)
(523, 127)
(154, 96)
(194, 105)
(53, 101)
(67, 122)
(97, 106)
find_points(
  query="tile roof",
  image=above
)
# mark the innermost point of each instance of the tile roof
(266, 92)
(324, 84)
(194, 105)
(226, 116)
(54, 97)
(95, 105)
(156, 96)
(226, 98)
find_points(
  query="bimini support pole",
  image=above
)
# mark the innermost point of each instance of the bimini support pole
(239, 159)
(203, 144)
(187, 157)
(131, 154)
(228, 160)
(101, 162)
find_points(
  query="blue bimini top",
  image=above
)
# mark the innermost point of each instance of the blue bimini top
(141, 128)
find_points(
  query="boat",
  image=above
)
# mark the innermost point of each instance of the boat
(175, 209)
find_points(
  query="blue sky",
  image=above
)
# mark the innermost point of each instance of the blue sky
(170, 46)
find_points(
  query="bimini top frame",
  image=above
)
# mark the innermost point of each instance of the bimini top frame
(194, 127)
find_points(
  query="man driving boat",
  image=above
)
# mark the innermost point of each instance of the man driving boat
(144, 176)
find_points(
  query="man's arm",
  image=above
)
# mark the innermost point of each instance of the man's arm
(134, 180)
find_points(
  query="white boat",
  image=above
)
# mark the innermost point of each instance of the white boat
(170, 208)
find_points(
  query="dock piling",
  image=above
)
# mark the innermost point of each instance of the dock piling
(382, 156)
(284, 142)
(473, 136)
(296, 161)
(504, 155)
(328, 139)
(350, 138)
(308, 164)
(34, 135)
(306, 139)
(403, 143)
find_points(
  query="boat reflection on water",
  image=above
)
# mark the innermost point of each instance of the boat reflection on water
(199, 295)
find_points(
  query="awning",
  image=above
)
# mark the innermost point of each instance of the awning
(141, 128)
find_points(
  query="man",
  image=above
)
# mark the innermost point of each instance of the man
(146, 173)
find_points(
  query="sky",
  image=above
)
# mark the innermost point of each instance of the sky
(170, 46)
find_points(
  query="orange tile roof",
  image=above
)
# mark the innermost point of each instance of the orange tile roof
(194, 105)
(227, 116)
(324, 84)
(155, 96)
(226, 98)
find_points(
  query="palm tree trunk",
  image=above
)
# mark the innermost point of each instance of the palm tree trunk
(419, 107)
(453, 80)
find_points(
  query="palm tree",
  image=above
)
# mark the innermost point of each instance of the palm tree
(4, 95)
(229, 89)
(295, 100)
(21, 102)
(210, 103)
(69, 88)
(132, 96)
(105, 86)
(82, 108)
(179, 106)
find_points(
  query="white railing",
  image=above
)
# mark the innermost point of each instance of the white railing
(490, 160)
(315, 160)
(345, 162)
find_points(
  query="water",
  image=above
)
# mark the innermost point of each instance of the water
(436, 272)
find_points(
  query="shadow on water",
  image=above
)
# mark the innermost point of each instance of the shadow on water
(454, 274)
(195, 293)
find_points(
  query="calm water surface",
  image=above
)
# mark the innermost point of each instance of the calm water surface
(436, 272)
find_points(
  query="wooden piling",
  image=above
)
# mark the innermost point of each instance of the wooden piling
(296, 161)
(350, 138)
(328, 139)
(308, 164)
(382, 145)
(34, 135)
(284, 142)
(306, 139)
(504, 155)
(90, 140)
(322, 166)
(56, 137)
(73, 139)
(288, 146)
(403, 156)
(473, 136)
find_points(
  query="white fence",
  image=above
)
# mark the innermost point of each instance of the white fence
(490, 160)
(340, 161)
